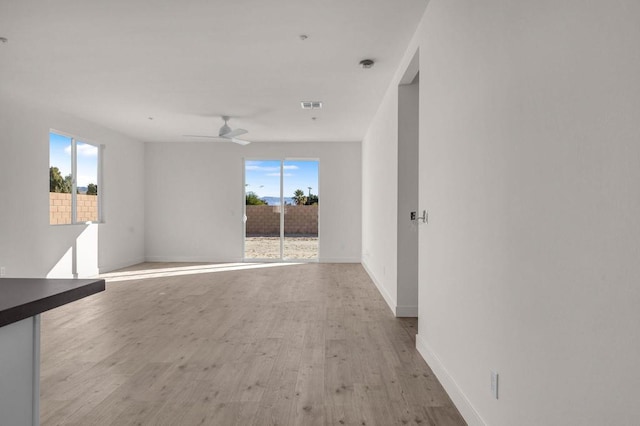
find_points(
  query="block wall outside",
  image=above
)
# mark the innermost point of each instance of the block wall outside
(60, 208)
(298, 220)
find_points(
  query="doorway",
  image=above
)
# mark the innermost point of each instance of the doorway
(408, 191)
(281, 209)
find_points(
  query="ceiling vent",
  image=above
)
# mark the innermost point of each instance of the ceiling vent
(311, 104)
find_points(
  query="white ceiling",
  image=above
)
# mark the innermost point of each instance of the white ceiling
(185, 63)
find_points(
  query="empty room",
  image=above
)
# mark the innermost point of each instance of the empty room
(319, 213)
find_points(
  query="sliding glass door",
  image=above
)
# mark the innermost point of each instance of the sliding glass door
(300, 185)
(262, 212)
(281, 209)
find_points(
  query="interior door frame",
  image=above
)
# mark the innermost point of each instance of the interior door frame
(408, 227)
(281, 259)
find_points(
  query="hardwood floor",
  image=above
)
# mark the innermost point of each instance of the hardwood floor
(273, 344)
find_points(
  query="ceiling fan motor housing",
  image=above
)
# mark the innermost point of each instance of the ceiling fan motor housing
(224, 129)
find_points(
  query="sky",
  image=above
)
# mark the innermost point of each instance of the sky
(60, 157)
(263, 177)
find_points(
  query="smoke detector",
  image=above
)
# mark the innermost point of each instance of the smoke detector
(367, 63)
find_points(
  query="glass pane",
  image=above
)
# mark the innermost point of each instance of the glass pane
(59, 179)
(300, 188)
(262, 198)
(87, 183)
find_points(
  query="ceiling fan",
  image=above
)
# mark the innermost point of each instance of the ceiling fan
(226, 133)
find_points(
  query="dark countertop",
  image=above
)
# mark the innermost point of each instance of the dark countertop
(22, 298)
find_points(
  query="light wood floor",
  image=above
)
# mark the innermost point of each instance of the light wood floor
(310, 344)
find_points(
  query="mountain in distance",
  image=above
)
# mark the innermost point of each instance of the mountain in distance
(275, 201)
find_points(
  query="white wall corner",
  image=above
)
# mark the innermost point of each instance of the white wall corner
(385, 295)
(110, 267)
(454, 391)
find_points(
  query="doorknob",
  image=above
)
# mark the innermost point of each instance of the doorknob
(425, 216)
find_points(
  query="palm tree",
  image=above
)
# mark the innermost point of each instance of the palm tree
(299, 198)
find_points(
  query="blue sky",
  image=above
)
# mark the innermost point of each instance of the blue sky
(60, 157)
(263, 177)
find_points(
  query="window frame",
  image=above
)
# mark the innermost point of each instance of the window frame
(74, 172)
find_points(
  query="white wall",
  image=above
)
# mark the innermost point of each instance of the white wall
(194, 198)
(530, 166)
(29, 246)
(380, 176)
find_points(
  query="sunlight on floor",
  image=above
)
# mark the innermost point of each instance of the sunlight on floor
(187, 270)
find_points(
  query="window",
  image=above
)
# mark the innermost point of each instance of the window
(74, 180)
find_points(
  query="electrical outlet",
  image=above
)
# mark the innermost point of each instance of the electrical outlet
(3, 271)
(494, 384)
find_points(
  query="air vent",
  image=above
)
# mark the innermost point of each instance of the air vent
(311, 104)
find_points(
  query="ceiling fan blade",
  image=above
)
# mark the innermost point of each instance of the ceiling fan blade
(234, 133)
(220, 138)
(240, 141)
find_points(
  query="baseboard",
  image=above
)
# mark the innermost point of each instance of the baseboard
(103, 269)
(407, 311)
(458, 397)
(210, 260)
(199, 259)
(339, 260)
(383, 291)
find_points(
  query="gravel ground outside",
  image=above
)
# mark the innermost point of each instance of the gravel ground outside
(269, 247)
